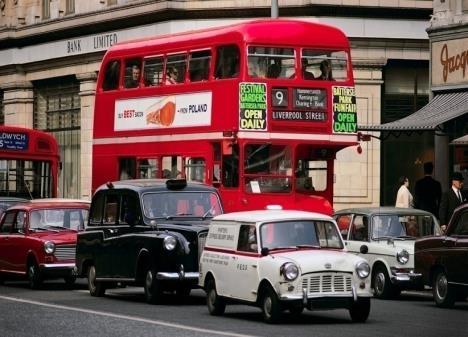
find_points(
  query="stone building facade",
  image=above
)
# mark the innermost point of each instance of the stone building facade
(50, 52)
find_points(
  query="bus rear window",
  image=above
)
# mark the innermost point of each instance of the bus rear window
(324, 65)
(269, 62)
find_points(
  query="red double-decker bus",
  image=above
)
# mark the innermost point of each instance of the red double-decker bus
(29, 163)
(258, 109)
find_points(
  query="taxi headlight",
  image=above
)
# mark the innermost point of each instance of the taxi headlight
(362, 269)
(289, 271)
(403, 256)
(49, 247)
(170, 242)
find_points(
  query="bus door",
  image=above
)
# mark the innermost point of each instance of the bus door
(226, 174)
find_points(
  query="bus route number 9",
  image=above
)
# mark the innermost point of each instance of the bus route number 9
(279, 97)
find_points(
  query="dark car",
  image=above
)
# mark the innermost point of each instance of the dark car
(147, 233)
(37, 239)
(385, 237)
(443, 260)
(6, 202)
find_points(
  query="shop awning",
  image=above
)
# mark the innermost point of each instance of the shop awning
(460, 141)
(439, 110)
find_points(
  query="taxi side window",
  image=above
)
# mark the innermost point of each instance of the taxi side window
(247, 239)
(110, 209)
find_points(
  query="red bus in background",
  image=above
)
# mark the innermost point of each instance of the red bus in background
(29, 163)
(258, 109)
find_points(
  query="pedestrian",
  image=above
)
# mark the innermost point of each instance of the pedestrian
(428, 191)
(451, 199)
(404, 197)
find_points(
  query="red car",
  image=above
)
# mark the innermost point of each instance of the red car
(38, 239)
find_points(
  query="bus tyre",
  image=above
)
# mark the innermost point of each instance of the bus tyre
(271, 307)
(382, 284)
(153, 291)
(96, 288)
(34, 276)
(444, 294)
(360, 310)
(216, 304)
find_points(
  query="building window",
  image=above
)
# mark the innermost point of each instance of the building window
(70, 7)
(45, 9)
(57, 110)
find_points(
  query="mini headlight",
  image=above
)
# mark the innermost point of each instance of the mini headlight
(290, 271)
(170, 242)
(362, 269)
(403, 256)
(49, 247)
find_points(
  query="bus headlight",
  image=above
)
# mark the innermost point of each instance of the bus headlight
(403, 256)
(289, 271)
(362, 269)
(49, 247)
(170, 242)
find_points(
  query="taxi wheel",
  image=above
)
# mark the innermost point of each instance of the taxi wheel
(153, 291)
(381, 282)
(444, 294)
(216, 304)
(360, 310)
(70, 280)
(271, 307)
(34, 276)
(96, 288)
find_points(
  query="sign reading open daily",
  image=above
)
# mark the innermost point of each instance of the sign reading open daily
(253, 106)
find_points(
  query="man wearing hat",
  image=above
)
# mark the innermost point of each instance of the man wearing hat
(451, 199)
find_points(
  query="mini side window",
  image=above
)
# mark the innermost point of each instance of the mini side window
(8, 222)
(359, 229)
(247, 239)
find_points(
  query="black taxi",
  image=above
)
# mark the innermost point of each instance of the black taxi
(146, 233)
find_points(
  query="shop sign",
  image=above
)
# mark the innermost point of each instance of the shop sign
(450, 62)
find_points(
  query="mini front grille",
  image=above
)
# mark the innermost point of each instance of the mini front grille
(65, 252)
(201, 243)
(327, 283)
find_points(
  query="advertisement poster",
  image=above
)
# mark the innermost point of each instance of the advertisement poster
(253, 106)
(163, 112)
(13, 141)
(344, 110)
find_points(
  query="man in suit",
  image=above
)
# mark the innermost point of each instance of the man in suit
(451, 199)
(428, 191)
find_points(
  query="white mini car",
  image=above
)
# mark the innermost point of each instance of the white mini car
(278, 259)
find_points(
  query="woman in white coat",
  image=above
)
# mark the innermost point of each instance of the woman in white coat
(404, 197)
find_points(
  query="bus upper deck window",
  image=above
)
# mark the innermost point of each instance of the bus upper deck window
(175, 69)
(324, 65)
(271, 62)
(132, 73)
(111, 76)
(227, 62)
(153, 71)
(199, 66)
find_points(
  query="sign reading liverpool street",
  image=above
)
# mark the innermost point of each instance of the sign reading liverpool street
(344, 110)
(253, 106)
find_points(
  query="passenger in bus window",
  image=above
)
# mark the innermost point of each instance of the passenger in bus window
(325, 68)
(307, 75)
(111, 77)
(171, 75)
(133, 80)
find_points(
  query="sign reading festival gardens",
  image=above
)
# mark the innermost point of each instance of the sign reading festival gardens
(253, 106)
(163, 112)
(344, 110)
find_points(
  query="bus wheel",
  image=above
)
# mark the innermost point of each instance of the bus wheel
(34, 275)
(444, 294)
(216, 304)
(96, 288)
(153, 291)
(271, 307)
